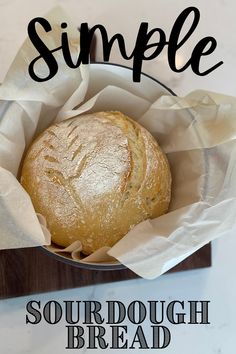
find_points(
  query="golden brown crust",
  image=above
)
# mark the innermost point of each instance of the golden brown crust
(95, 176)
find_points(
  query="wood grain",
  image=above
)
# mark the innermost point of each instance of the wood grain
(30, 271)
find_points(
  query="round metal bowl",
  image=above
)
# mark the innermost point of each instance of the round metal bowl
(121, 76)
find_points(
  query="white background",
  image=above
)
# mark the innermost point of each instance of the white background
(217, 283)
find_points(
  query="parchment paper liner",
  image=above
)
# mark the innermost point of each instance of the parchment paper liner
(197, 133)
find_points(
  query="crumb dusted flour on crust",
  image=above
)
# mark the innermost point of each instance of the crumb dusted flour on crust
(94, 176)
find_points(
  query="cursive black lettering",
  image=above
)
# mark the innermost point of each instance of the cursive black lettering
(198, 52)
(144, 42)
(86, 40)
(175, 44)
(45, 53)
(141, 46)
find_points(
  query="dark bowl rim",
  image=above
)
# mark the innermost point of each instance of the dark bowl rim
(90, 266)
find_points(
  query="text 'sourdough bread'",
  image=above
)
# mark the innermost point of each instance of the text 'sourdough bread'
(95, 176)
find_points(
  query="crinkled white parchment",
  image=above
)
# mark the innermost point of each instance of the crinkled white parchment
(197, 132)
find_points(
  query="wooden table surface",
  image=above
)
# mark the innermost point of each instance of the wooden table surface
(30, 270)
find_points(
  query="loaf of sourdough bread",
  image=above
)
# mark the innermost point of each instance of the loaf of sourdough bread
(93, 177)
